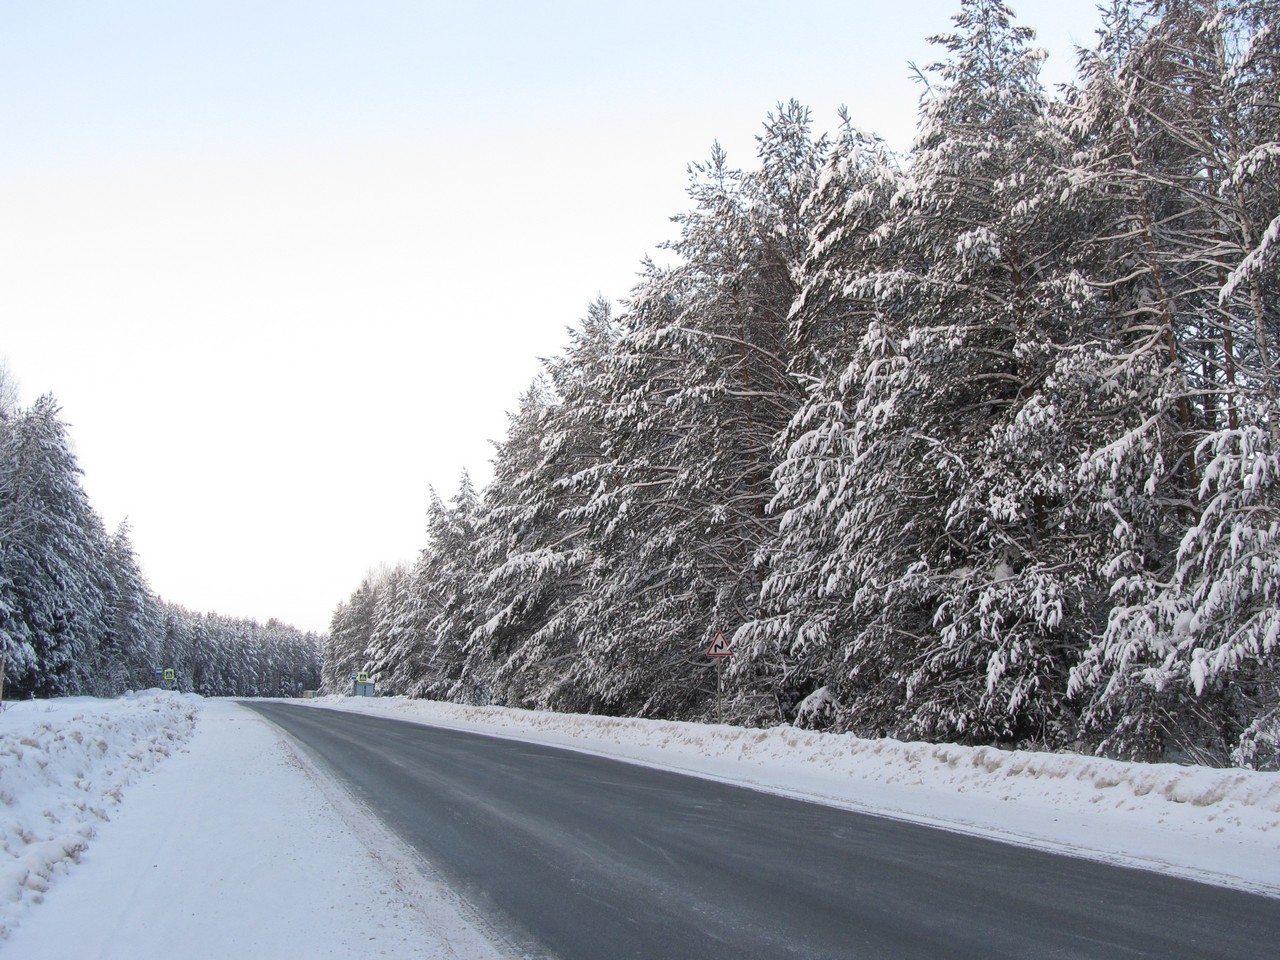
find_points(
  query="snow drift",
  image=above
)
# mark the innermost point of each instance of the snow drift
(64, 767)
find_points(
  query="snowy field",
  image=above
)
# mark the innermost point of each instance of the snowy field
(128, 822)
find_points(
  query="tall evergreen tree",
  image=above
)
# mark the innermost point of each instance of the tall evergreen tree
(928, 471)
(1175, 150)
(128, 651)
(697, 388)
(452, 675)
(347, 642)
(55, 577)
(389, 621)
(796, 646)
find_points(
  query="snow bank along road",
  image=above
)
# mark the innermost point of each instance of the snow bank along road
(229, 848)
(577, 856)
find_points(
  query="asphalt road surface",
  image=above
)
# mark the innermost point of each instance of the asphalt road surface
(584, 858)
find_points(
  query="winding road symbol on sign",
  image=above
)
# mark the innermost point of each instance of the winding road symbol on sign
(720, 647)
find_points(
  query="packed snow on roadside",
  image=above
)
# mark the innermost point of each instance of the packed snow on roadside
(235, 847)
(1212, 825)
(64, 767)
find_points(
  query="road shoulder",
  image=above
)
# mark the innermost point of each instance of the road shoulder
(240, 848)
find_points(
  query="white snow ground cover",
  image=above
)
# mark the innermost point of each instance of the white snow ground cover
(233, 847)
(1216, 826)
(64, 765)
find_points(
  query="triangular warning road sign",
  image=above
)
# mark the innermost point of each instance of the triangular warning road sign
(720, 647)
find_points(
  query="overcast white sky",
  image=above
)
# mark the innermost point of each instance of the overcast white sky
(287, 263)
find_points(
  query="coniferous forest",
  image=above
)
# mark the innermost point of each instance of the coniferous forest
(979, 443)
(76, 613)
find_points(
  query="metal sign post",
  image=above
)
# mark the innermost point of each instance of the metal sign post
(719, 649)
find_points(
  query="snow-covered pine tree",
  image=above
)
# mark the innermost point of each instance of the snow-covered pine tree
(697, 388)
(53, 558)
(8, 393)
(445, 585)
(1182, 151)
(533, 541)
(389, 620)
(401, 661)
(177, 640)
(347, 643)
(797, 645)
(514, 538)
(215, 655)
(128, 651)
(929, 470)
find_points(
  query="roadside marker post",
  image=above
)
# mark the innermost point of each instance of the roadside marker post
(719, 649)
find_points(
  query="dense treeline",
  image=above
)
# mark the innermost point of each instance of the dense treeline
(978, 443)
(76, 613)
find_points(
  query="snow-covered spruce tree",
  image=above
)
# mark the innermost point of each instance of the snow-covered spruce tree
(697, 388)
(347, 642)
(532, 562)
(16, 650)
(52, 557)
(390, 619)
(129, 649)
(177, 641)
(515, 551)
(298, 654)
(285, 660)
(402, 661)
(848, 209)
(207, 668)
(8, 394)
(229, 646)
(220, 656)
(533, 541)
(444, 585)
(399, 655)
(932, 468)
(797, 646)
(1179, 108)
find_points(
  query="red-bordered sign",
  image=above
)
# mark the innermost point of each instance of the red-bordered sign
(720, 647)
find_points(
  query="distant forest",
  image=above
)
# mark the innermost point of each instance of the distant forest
(76, 613)
(979, 443)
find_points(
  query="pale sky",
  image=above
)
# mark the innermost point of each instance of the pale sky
(286, 265)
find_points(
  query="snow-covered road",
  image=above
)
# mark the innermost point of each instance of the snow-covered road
(233, 847)
(127, 826)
